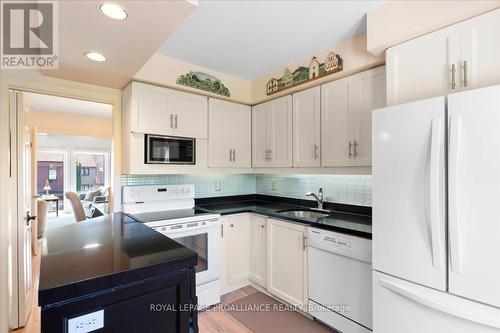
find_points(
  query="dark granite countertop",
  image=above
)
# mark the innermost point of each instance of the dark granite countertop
(103, 253)
(350, 222)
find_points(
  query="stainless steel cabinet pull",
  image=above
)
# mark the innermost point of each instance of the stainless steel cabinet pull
(230, 155)
(175, 121)
(262, 226)
(316, 147)
(453, 80)
(234, 155)
(171, 120)
(231, 225)
(350, 149)
(466, 81)
(355, 148)
(304, 242)
(222, 230)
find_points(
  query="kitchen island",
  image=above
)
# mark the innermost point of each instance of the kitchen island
(113, 274)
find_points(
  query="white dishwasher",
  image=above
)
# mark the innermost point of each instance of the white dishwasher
(340, 280)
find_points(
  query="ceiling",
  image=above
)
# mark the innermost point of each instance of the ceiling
(126, 44)
(48, 103)
(249, 39)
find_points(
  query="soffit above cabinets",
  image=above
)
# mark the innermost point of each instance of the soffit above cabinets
(126, 44)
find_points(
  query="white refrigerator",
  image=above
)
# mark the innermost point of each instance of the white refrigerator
(436, 215)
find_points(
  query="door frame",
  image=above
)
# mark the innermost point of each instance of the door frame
(35, 82)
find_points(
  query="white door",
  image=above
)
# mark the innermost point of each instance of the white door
(258, 250)
(238, 230)
(474, 190)
(336, 132)
(26, 214)
(480, 50)
(409, 192)
(366, 93)
(400, 306)
(279, 131)
(260, 150)
(190, 114)
(287, 261)
(307, 128)
(229, 127)
(422, 68)
(150, 110)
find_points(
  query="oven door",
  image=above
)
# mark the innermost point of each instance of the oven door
(204, 240)
(169, 150)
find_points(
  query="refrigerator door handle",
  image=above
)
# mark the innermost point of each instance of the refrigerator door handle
(471, 311)
(454, 188)
(434, 187)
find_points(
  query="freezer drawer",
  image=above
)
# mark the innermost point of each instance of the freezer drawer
(402, 306)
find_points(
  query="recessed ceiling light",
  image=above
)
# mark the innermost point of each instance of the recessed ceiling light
(113, 11)
(95, 56)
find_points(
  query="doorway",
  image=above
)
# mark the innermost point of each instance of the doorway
(54, 150)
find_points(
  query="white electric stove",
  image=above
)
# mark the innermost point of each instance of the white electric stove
(169, 209)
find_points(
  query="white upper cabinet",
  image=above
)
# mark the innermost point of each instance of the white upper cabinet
(229, 132)
(272, 133)
(162, 111)
(480, 51)
(307, 128)
(462, 56)
(346, 107)
(368, 92)
(336, 131)
(424, 67)
(190, 114)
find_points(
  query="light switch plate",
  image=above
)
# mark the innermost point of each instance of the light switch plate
(275, 185)
(87, 323)
(217, 186)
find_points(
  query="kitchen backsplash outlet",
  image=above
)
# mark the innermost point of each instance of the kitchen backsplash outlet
(353, 190)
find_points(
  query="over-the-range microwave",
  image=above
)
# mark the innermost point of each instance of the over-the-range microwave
(160, 149)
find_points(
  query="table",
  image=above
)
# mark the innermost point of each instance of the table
(52, 198)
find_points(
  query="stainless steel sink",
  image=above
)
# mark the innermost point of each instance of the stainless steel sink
(305, 214)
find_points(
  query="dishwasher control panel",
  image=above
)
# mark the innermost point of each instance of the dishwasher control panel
(346, 245)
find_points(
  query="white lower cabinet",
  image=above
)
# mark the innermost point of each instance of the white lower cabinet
(258, 250)
(287, 261)
(235, 252)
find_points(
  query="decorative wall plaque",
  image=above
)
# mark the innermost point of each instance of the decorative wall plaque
(203, 81)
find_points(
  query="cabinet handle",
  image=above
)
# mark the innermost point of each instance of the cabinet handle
(234, 155)
(230, 155)
(171, 120)
(304, 242)
(466, 81)
(316, 147)
(176, 121)
(355, 148)
(453, 81)
(222, 230)
(262, 226)
(231, 225)
(268, 153)
(350, 149)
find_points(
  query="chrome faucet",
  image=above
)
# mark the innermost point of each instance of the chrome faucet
(318, 197)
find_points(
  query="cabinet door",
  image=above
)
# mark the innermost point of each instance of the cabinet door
(260, 151)
(238, 250)
(367, 92)
(258, 249)
(190, 114)
(421, 68)
(306, 128)
(336, 132)
(150, 112)
(480, 49)
(287, 261)
(279, 131)
(229, 130)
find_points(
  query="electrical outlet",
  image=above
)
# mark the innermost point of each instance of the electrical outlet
(87, 323)
(275, 185)
(217, 186)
